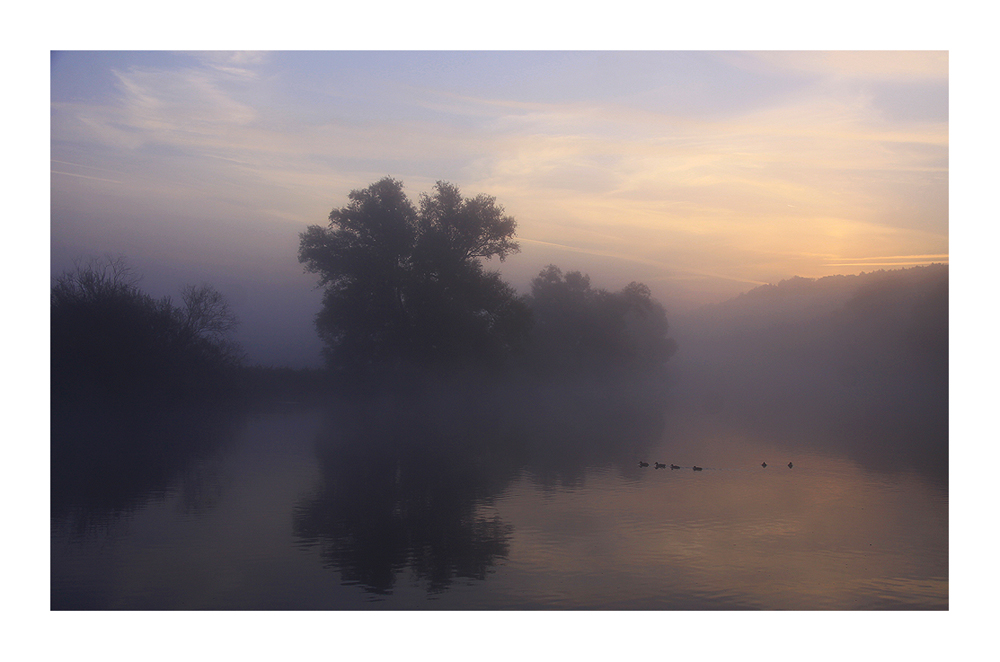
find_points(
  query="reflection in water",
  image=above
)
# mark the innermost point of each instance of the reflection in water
(214, 536)
(904, 429)
(735, 536)
(383, 505)
(406, 482)
(110, 459)
(476, 501)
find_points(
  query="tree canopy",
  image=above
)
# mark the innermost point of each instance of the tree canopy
(405, 288)
(580, 329)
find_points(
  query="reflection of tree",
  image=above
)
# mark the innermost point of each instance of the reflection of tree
(404, 482)
(401, 489)
(565, 429)
(108, 458)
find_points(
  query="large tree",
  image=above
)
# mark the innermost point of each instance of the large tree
(405, 287)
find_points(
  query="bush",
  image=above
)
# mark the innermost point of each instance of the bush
(113, 342)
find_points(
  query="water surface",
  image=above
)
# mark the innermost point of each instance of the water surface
(312, 508)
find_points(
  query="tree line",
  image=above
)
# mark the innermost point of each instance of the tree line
(406, 297)
(406, 294)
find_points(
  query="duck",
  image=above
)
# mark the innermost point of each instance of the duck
(643, 464)
(763, 464)
(657, 465)
(789, 465)
(696, 468)
(674, 466)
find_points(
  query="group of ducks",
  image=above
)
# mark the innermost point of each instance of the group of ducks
(657, 465)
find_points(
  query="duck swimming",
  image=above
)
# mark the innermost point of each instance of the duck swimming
(696, 468)
(657, 465)
(643, 464)
(789, 465)
(674, 466)
(763, 464)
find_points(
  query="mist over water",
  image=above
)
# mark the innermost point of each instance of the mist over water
(528, 491)
(857, 362)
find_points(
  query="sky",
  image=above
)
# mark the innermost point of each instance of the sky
(702, 174)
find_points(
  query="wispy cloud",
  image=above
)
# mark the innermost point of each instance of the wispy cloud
(938, 256)
(886, 264)
(71, 174)
(674, 270)
(799, 182)
(889, 260)
(80, 165)
(857, 65)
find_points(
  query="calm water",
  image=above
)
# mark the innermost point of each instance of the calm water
(307, 509)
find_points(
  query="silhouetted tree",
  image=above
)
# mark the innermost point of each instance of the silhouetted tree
(111, 340)
(585, 330)
(404, 286)
(206, 312)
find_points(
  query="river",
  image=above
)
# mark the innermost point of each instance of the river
(308, 508)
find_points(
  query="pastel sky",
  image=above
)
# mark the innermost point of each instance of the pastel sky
(702, 174)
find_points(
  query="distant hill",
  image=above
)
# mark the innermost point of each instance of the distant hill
(800, 299)
(866, 355)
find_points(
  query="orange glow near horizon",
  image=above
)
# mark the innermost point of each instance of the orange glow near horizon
(629, 166)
